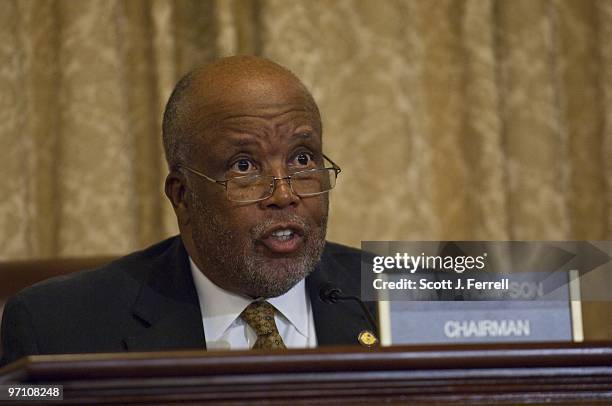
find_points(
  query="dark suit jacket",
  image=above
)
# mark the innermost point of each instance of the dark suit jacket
(147, 301)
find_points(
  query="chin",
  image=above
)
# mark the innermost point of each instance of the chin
(274, 277)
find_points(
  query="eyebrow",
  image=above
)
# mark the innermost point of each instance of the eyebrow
(303, 135)
(242, 141)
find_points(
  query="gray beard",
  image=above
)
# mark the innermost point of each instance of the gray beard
(234, 264)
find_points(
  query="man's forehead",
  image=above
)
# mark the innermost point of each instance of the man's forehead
(245, 139)
(258, 116)
(252, 132)
(264, 98)
(242, 93)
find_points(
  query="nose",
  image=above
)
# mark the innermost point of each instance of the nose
(282, 195)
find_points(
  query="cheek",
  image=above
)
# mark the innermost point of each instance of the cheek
(317, 208)
(213, 198)
(211, 213)
(239, 220)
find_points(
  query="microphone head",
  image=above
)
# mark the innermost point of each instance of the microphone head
(329, 293)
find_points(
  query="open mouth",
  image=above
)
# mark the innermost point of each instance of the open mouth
(283, 235)
(283, 239)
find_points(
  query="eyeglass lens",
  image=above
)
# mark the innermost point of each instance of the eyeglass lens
(259, 187)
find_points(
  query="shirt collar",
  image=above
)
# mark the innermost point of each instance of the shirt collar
(294, 306)
(220, 308)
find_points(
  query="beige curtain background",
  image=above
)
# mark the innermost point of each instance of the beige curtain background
(467, 119)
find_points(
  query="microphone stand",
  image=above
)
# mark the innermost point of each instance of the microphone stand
(331, 294)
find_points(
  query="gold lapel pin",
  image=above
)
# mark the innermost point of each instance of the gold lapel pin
(367, 338)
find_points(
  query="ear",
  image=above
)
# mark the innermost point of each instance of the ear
(176, 191)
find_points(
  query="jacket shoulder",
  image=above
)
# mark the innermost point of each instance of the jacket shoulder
(336, 248)
(348, 257)
(83, 310)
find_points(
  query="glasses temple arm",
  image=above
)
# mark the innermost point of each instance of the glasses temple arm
(336, 167)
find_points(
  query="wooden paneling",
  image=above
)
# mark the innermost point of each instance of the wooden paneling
(485, 374)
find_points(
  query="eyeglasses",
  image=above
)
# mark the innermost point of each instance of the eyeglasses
(254, 188)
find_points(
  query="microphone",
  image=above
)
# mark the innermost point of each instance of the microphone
(329, 293)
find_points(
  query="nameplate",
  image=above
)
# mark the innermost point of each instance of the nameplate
(479, 292)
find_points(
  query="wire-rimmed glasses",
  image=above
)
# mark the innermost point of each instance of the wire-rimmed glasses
(253, 188)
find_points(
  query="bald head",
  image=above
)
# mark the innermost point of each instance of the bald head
(225, 84)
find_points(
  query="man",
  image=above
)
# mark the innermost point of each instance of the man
(249, 185)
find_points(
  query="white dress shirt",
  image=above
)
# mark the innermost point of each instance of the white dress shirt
(225, 330)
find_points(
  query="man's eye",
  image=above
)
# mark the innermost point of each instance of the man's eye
(242, 165)
(303, 159)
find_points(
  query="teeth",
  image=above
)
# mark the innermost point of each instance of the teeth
(283, 235)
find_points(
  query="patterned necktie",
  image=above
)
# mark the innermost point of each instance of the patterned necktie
(260, 316)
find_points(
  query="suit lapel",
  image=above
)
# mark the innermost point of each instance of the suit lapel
(167, 305)
(336, 323)
(168, 309)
